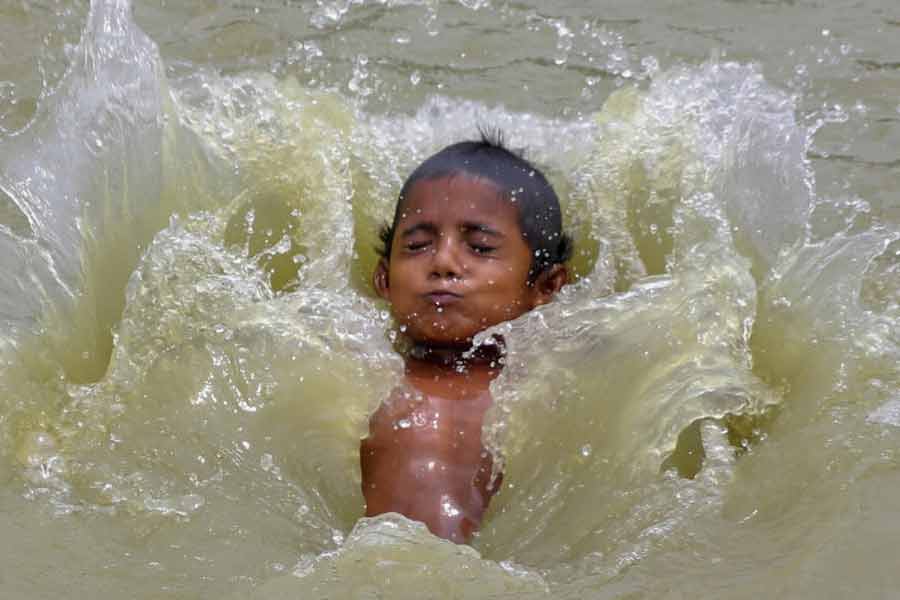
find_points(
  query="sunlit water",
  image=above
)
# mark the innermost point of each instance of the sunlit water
(189, 200)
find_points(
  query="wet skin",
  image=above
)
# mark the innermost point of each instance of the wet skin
(424, 458)
(458, 265)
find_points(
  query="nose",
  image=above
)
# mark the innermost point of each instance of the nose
(446, 262)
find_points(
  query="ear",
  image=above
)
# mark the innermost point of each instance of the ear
(549, 283)
(380, 280)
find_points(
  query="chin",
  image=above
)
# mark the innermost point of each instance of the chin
(449, 337)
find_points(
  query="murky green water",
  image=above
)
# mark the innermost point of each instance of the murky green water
(189, 195)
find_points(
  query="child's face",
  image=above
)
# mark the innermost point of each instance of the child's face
(458, 263)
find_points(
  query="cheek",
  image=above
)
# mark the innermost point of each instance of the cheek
(509, 281)
(502, 304)
(398, 279)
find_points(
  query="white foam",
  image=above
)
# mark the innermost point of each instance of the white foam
(886, 414)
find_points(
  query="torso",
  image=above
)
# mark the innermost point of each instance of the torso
(424, 458)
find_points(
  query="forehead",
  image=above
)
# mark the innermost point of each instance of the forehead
(458, 197)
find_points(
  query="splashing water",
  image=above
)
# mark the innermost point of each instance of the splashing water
(191, 348)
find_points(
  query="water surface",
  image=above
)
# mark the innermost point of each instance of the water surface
(189, 200)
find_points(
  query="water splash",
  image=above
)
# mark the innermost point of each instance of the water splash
(221, 225)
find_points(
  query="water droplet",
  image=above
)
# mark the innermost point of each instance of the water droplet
(782, 302)
(337, 537)
(448, 507)
(266, 462)
(191, 502)
(650, 64)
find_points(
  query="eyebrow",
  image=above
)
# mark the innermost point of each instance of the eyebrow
(467, 227)
(470, 226)
(425, 227)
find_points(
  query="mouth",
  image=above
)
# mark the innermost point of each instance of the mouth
(442, 297)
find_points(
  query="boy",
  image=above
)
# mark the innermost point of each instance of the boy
(476, 240)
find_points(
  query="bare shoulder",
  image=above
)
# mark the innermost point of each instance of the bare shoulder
(398, 405)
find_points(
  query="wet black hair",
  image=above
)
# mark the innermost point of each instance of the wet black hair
(540, 216)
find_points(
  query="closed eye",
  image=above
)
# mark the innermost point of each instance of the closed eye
(416, 246)
(482, 249)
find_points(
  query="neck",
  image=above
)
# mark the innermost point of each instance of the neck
(458, 358)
